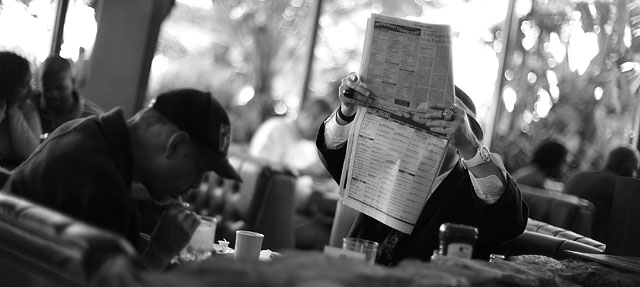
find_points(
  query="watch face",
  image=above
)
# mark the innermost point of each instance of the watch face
(484, 153)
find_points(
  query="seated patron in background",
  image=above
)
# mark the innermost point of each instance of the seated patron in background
(290, 142)
(598, 186)
(59, 102)
(19, 122)
(85, 167)
(547, 167)
(472, 188)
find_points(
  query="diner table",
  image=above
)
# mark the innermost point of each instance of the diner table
(304, 268)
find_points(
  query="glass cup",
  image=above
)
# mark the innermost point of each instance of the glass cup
(368, 247)
(201, 243)
(248, 245)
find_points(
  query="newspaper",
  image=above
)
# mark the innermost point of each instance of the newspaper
(392, 160)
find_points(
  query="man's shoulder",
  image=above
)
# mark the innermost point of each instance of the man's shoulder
(85, 134)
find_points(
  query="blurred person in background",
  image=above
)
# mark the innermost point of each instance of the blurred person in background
(59, 102)
(597, 186)
(85, 168)
(19, 121)
(290, 142)
(547, 167)
(623, 161)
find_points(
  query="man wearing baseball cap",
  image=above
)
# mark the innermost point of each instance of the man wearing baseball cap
(85, 167)
(472, 186)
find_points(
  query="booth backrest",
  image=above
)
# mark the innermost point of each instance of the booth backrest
(262, 202)
(536, 243)
(552, 230)
(623, 235)
(559, 209)
(541, 238)
(51, 247)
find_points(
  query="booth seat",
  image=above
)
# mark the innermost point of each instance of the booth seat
(531, 242)
(560, 209)
(552, 230)
(541, 238)
(39, 246)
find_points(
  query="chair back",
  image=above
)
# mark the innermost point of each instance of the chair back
(262, 202)
(559, 209)
(623, 236)
(596, 187)
(46, 245)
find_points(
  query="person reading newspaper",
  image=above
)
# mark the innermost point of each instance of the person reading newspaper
(472, 186)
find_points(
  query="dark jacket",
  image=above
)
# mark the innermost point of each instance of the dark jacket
(454, 201)
(84, 169)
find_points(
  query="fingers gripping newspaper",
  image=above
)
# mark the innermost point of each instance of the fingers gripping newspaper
(392, 160)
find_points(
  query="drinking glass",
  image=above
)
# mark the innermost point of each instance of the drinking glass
(368, 247)
(201, 243)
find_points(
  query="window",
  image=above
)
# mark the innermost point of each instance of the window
(26, 27)
(571, 75)
(476, 42)
(249, 54)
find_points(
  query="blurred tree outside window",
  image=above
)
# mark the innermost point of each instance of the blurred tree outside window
(571, 74)
(475, 41)
(249, 54)
(79, 35)
(252, 54)
(26, 28)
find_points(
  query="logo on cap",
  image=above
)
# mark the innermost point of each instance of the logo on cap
(225, 138)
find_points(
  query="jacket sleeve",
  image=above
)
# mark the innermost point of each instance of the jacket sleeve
(333, 159)
(503, 220)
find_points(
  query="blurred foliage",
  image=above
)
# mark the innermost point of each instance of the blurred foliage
(590, 112)
(260, 48)
(235, 46)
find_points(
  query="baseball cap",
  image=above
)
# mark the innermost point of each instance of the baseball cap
(203, 118)
(465, 102)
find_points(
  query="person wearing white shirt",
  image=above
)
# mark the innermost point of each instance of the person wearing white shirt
(19, 121)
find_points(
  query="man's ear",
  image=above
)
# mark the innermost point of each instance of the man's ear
(177, 141)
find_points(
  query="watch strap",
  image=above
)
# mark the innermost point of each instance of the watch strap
(482, 156)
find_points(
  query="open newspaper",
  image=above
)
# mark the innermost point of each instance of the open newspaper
(392, 160)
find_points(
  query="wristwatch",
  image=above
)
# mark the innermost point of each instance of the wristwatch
(482, 156)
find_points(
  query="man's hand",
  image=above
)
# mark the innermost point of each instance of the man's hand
(451, 121)
(172, 233)
(353, 94)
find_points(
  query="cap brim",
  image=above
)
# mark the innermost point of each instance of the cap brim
(222, 167)
(471, 115)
